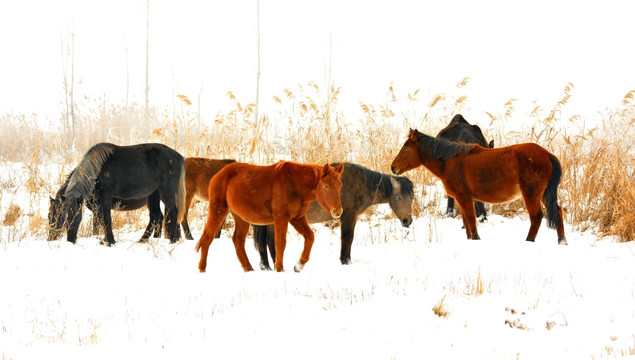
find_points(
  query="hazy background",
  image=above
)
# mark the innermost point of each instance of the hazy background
(510, 49)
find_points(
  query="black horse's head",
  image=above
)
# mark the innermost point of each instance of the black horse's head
(64, 213)
(401, 199)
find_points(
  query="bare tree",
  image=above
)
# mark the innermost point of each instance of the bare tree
(258, 60)
(68, 81)
(147, 90)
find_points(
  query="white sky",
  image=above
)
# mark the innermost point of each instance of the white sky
(527, 50)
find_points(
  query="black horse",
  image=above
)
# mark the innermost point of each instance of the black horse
(459, 130)
(156, 217)
(361, 188)
(109, 172)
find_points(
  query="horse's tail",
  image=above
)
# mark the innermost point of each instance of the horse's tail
(81, 183)
(179, 196)
(260, 238)
(550, 196)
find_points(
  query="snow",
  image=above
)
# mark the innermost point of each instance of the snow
(505, 298)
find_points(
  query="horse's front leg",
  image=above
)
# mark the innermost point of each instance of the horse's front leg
(469, 217)
(280, 226)
(348, 221)
(302, 226)
(105, 204)
(74, 217)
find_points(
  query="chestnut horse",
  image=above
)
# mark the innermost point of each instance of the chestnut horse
(361, 189)
(198, 173)
(470, 172)
(459, 130)
(277, 194)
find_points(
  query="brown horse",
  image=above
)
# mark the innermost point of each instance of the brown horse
(470, 172)
(198, 173)
(278, 194)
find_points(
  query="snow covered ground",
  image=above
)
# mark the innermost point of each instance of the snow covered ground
(498, 298)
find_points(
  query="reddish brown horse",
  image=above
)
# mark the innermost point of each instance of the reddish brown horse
(278, 194)
(198, 173)
(471, 172)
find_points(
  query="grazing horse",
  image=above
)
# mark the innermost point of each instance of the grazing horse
(361, 188)
(500, 175)
(156, 217)
(459, 130)
(198, 173)
(108, 172)
(277, 194)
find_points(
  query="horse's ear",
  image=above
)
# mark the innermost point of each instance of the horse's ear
(413, 134)
(491, 144)
(325, 169)
(339, 168)
(396, 187)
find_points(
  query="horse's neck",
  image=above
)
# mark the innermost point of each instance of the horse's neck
(310, 176)
(435, 166)
(382, 190)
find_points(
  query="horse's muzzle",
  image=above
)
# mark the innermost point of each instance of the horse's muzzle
(336, 213)
(406, 222)
(395, 171)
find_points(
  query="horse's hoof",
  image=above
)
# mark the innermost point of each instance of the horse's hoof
(298, 267)
(562, 241)
(264, 267)
(142, 241)
(482, 220)
(346, 261)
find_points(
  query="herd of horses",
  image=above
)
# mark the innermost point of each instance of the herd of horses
(269, 198)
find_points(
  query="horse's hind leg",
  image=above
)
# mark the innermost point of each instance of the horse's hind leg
(240, 234)
(216, 213)
(535, 217)
(280, 229)
(449, 212)
(469, 218)
(480, 211)
(156, 218)
(184, 224)
(302, 226)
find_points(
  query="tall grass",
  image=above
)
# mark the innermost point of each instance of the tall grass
(307, 124)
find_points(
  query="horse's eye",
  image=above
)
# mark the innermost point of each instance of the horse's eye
(326, 186)
(399, 198)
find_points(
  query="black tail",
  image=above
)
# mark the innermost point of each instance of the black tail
(263, 238)
(260, 238)
(551, 194)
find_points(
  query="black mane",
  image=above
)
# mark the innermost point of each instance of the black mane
(441, 149)
(381, 182)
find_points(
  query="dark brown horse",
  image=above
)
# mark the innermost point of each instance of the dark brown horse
(198, 173)
(459, 130)
(361, 189)
(278, 194)
(470, 172)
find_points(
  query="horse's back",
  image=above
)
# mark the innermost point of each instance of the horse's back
(198, 173)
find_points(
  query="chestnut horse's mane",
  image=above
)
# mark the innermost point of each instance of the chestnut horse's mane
(441, 149)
